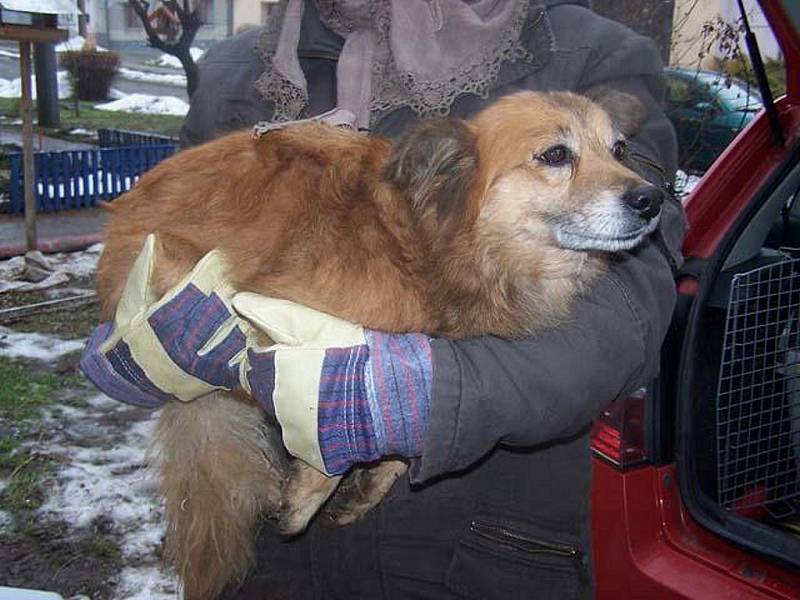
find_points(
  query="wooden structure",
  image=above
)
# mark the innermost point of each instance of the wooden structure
(27, 22)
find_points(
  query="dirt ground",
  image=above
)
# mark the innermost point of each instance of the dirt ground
(77, 510)
(51, 556)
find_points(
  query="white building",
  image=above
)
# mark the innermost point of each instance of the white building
(253, 13)
(690, 16)
(115, 23)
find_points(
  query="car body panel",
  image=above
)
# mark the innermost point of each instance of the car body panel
(659, 551)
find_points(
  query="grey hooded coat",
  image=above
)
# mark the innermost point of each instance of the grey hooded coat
(498, 504)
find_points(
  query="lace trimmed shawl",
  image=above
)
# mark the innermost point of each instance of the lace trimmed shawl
(416, 53)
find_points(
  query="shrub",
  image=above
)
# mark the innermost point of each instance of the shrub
(740, 68)
(91, 72)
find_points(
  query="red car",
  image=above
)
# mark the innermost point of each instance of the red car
(697, 481)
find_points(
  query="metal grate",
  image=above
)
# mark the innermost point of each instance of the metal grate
(758, 396)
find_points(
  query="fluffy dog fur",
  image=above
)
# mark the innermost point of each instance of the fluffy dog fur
(459, 229)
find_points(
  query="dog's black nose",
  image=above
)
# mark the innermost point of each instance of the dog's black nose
(645, 200)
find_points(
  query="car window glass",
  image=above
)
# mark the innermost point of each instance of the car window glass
(677, 91)
(736, 94)
(699, 93)
(712, 93)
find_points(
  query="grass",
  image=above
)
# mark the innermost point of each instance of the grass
(742, 69)
(25, 473)
(104, 547)
(24, 490)
(92, 118)
(10, 456)
(23, 394)
(79, 324)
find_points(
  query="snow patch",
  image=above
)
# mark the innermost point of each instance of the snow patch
(75, 43)
(146, 584)
(6, 520)
(77, 264)
(12, 88)
(110, 482)
(65, 267)
(103, 447)
(162, 78)
(38, 346)
(145, 103)
(168, 60)
(684, 184)
(82, 131)
(103, 402)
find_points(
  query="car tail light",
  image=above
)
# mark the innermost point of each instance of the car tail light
(618, 433)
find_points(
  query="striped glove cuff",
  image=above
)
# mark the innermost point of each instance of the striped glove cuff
(374, 400)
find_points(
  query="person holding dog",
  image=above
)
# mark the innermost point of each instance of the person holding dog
(496, 501)
(507, 445)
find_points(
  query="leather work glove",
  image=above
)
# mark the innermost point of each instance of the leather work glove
(342, 394)
(180, 347)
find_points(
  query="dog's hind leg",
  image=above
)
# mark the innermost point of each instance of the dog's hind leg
(220, 468)
(306, 490)
(361, 491)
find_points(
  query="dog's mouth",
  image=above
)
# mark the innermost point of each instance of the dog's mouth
(571, 236)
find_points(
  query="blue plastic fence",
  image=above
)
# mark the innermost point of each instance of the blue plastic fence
(80, 178)
(124, 137)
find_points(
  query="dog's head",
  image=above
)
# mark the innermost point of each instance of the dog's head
(534, 166)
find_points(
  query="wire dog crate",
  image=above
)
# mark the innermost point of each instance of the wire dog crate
(758, 394)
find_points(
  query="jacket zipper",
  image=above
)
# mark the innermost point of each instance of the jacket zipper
(497, 533)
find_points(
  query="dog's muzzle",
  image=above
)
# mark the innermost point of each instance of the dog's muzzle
(612, 222)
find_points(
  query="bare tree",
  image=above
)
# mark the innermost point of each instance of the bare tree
(171, 27)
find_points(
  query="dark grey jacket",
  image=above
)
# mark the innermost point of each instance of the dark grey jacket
(502, 489)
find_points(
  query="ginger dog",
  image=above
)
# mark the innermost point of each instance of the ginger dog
(461, 228)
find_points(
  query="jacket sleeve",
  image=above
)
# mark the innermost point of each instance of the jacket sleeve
(489, 391)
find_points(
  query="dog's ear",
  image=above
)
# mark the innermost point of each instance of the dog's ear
(627, 112)
(434, 164)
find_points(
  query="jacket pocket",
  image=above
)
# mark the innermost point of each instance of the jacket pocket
(505, 559)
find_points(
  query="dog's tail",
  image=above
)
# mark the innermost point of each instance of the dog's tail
(219, 470)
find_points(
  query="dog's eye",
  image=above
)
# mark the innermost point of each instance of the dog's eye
(556, 156)
(619, 150)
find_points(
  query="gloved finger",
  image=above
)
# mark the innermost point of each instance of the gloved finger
(138, 293)
(117, 375)
(259, 378)
(293, 324)
(191, 323)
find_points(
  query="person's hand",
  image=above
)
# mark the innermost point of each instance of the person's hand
(342, 394)
(180, 347)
